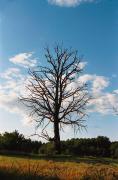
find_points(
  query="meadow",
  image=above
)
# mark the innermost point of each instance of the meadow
(63, 168)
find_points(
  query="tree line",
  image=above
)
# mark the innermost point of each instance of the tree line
(16, 142)
(101, 146)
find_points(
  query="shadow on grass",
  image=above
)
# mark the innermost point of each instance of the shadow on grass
(62, 158)
(14, 175)
(88, 160)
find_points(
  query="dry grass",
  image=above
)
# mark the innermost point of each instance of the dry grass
(21, 168)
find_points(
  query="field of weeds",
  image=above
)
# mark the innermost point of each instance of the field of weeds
(28, 168)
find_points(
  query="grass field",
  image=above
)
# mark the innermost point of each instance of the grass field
(65, 168)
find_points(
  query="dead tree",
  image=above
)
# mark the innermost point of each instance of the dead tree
(55, 96)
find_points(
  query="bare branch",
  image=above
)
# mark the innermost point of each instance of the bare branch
(54, 93)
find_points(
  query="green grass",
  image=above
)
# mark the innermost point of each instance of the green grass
(57, 167)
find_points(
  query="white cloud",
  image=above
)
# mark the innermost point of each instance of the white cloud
(98, 82)
(10, 102)
(11, 87)
(82, 64)
(10, 73)
(104, 104)
(102, 101)
(116, 91)
(84, 78)
(24, 59)
(69, 3)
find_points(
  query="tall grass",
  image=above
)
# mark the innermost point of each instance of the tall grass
(19, 168)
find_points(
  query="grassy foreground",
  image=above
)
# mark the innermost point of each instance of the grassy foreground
(84, 169)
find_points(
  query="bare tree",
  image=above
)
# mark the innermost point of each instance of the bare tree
(55, 95)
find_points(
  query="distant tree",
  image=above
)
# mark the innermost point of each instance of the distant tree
(103, 146)
(47, 148)
(54, 94)
(99, 146)
(12, 141)
(114, 149)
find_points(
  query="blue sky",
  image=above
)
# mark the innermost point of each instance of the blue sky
(91, 27)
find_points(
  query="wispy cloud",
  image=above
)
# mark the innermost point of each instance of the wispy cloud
(24, 59)
(13, 85)
(82, 64)
(69, 3)
(10, 73)
(99, 83)
(102, 101)
(116, 91)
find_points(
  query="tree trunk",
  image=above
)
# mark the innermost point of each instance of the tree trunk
(57, 143)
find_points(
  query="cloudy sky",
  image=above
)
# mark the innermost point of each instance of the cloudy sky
(90, 26)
